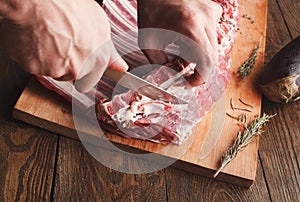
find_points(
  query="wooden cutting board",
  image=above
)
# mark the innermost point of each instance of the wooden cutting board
(45, 109)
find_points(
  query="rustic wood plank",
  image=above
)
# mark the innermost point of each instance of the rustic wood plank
(182, 186)
(277, 33)
(279, 151)
(27, 157)
(80, 177)
(291, 15)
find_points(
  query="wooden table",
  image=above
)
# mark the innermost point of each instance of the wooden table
(37, 165)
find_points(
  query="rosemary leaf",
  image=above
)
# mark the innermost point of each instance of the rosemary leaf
(243, 139)
(246, 68)
(240, 118)
(244, 103)
(241, 109)
(231, 105)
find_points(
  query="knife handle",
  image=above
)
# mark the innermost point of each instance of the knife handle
(113, 74)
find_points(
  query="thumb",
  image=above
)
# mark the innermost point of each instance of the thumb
(90, 79)
(117, 63)
(96, 64)
(92, 70)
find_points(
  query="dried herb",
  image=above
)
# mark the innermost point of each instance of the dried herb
(246, 68)
(222, 19)
(243, 139)
(231, 105)
(247, 16)
(246, 104)
(241, 109)
(239, 118)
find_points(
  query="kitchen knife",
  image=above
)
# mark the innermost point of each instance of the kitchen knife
(133, 82)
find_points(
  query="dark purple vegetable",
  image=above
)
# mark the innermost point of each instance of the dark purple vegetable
(280, 79)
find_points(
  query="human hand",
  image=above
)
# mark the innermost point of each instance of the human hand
(60, 39)
(193, 27)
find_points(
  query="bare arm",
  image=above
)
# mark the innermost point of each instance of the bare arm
(55, 38)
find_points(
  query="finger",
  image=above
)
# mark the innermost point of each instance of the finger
(211, 31)
(156, 56)
(187, 53)
(116, 61)
(197, 52)
(153, 43)
(96, 64)
(66, 77)
(86, 83)
(195, 79)
(119, 65)
(207, 62)
(91, 71)
(212, 46)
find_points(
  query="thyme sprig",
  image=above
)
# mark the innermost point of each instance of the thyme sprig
(246, 68)
(243, 139)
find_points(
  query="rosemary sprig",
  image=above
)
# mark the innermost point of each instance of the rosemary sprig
(246, 68)
(243, 139)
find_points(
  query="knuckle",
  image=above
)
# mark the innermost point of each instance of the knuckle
(53, 70)
(214, 8)
(55, 74)
(187, 13)
(30, 66)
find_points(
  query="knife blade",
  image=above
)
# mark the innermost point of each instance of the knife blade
(133, 82)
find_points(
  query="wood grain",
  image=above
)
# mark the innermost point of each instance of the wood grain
(24, 176)
(79, 177)
(291, 15)
(27, 158)
(197, 188)
(277, 33)
(280, 149)
(50, 113)
(280, 152)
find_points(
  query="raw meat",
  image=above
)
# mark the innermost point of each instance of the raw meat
(132, 115)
